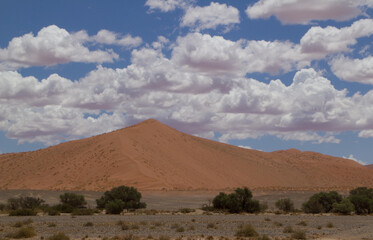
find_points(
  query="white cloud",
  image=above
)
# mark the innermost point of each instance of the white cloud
(319, 42)
(304, 12)
(166, 5)
(107, 37)
(353, 70)
(210, 17)
(351, 157)
(52, 45)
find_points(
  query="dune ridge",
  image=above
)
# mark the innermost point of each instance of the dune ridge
(154, 156)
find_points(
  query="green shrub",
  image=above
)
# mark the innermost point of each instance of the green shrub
(362, 199)
(24, 203)
(114, 207)
(24, 232)
(59, 236)
(322, 202)
(211, 225)
(345, 207)
(129, 196)
(72, 199)
(285, 204)
(64, 208)
(186, 210)
(239, 201)
(82, 212)
(246, 231)
(298, 234)
(23, 212)
(277, 224)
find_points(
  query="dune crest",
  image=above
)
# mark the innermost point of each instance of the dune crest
(154, 156)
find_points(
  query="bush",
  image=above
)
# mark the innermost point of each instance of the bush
(285, 204)
(72, 199)
(59, 236)
(64, 208)
(345, 207)
(246, 231)
(362, 199)
(123, 197)
(52, 211)
(114, 207)
(322, 202)
(239, 201)
(24, 202)
(299, 235)
(23, 212)
(88, 224)
(288, 229)
(2, 206)
(82, 212)
(24, 232)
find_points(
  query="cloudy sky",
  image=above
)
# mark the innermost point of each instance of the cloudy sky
(261, 74)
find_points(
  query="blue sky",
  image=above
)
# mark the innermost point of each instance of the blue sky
(265, 74)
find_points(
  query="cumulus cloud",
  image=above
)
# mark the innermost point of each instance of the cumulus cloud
(304, 12)
(107, 37)
(353, 70)
(210, 17)
(166, 5)
(52, 45)
(319, 42)
(351, 157)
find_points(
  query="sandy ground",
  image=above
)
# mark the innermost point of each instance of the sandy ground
(194, 224)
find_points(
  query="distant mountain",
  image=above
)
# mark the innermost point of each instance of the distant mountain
(154, 156)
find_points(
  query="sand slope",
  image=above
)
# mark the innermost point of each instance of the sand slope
(153, 156)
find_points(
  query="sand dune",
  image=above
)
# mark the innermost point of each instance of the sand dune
(153, 156)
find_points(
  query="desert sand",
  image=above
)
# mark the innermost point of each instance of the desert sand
(154, 156)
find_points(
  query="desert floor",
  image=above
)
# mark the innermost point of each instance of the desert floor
(192, 225)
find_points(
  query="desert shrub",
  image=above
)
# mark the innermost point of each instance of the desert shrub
(129, 197)
(299, 234)
(239, 201)
(63, 208)
(186, 210)
(114, 207)
(24, 202)
(211, 225)
(59, 236)
(82, 212)
(2, 206)
(362, 199)
(329, 225)
(52, 211)
(345, 207)
(52, 225)
(285, 204)
(72, 199)
(164, 237)
(302, 223)
(322, 202)
(88, 224)
(246, 231)
(277, 224)
(24, 232)
(263, 237)
(23, 212)
(18, 224)
(288, 229)
(180, 229)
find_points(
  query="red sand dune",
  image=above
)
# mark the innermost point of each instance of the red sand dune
(153, 156)
(369, 166)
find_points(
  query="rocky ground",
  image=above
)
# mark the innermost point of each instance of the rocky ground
(195, 224)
